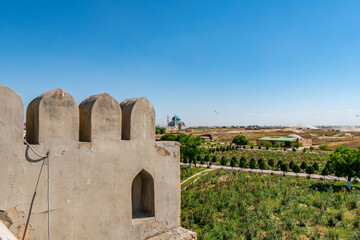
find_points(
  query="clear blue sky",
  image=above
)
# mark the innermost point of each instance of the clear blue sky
(254, 62)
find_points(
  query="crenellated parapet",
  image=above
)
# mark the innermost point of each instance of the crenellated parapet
(138, 119)
(104, 177)
(100, 118)
(53, 114)
(11, 116)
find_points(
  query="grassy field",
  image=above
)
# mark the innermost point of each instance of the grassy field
(228, 204)
(186, 172)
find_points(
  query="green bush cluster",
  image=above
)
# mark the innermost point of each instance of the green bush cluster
(232, 204)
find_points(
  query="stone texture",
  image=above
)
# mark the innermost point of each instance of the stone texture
(138, 119)
(90, 182)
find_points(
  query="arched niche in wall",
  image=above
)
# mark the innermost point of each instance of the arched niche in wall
(142, 196)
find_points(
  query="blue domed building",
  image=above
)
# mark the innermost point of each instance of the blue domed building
(177, 123)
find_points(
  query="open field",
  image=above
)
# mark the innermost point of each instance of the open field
(227, 204)
(349, 137)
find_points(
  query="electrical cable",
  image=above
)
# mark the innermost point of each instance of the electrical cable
(35, 191)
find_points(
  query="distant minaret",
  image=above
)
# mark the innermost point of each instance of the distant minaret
(168, 120)
(175, 122)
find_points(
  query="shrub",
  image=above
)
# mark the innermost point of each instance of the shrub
(233, 162)
(207, 158)
(316, 166)
(262, 164)
(271, 162)
(252, 163)
(303, 165)
(242, 163)
(296, 169)
(214, 159)
(160, 130)
(324, 147)
(310, 170)
(168, 137)
(284, 167)
(291, 164)
(223, 161)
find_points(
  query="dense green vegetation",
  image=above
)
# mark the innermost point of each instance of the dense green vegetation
(228, 204)
(273, 156)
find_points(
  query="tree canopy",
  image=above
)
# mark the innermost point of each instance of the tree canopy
(345, 162)
(240, 140)
(189, 145)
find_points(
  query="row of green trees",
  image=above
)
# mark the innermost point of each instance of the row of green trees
(344, 162)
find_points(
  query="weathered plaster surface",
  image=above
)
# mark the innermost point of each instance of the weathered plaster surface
(91, 180)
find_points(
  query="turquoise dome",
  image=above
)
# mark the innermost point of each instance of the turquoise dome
(177, 118)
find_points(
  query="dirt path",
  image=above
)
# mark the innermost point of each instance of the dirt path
(199, 174)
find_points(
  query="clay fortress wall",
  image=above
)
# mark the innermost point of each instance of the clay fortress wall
(92, 171)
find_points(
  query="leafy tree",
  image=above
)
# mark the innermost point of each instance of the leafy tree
(329, 167)
(311, 148)
(160, 130)
(279, 163)
(223, 161)
(346, 163)
(189, 146)
(251, 147)
(240, 140)
(233, 162)
(214, 159)
(267, 145)
(242, 163)
(284, 167)
(252, 163)
(262, 164)
(200, 159)
(259, 147)
(315, 166)
(185, 160)
(192, 160)
(296, 144)
(291, 164)
(293, 149)
(207, 158)
(325, 172)
(303, 165)
(234, 159)
(168, 137)
(310, 170)
(271, 162)
(296, 169)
